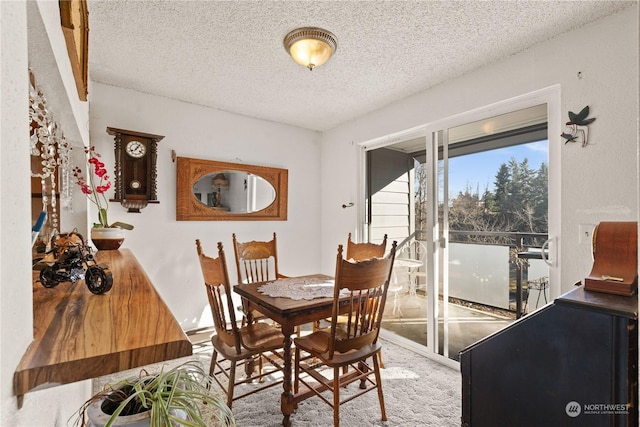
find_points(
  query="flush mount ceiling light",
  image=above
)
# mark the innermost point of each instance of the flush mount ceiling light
(310, 46)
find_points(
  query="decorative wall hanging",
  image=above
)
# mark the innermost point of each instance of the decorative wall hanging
(136, 157)
(578, 130)
(50, 153)
(65, 173)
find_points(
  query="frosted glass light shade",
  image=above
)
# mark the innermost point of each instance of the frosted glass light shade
(310, 46)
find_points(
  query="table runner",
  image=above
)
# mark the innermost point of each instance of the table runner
(299, 288)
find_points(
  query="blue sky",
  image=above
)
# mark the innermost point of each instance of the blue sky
(479, 170)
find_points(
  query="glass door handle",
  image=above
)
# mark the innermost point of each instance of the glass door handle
(546, 246)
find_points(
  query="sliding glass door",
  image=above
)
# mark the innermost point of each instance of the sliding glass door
(492, 208)
(471, 206)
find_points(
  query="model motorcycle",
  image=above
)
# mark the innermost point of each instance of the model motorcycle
(73, 261)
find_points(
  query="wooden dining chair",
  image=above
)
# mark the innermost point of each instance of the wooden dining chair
(239, 346)
(352, 343)
(362, 251)
(256, 261)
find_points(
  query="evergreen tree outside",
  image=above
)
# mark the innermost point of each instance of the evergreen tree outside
(517, 204)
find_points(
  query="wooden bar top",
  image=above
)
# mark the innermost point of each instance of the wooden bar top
(79, 335)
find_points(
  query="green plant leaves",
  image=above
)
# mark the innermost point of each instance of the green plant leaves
(183, 391)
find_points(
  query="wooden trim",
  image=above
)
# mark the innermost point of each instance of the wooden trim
(74, 20)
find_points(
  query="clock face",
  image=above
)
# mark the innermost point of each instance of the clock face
(136, 149)
(135, 184)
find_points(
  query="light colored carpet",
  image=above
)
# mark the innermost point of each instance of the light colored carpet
(417, 392)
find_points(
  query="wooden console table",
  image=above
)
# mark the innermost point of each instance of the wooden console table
(79, 335)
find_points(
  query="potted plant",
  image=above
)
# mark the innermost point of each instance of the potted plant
(103, 235)
(181, 396)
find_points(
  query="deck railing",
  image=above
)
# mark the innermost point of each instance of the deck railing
(510, 299)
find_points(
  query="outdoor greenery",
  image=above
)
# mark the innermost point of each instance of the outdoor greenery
(517, 203)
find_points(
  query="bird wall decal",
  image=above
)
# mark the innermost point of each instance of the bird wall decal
(580, 119)
(578, 130)
(569, 137)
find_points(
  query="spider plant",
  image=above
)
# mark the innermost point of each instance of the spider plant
(183, 395)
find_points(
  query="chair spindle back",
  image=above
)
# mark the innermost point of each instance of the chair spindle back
(367, 282)
(216, 280)
(256, 261)
(362, 251)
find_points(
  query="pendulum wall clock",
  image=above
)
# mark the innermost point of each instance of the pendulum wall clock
(136, 156)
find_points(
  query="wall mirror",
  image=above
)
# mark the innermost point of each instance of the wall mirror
(208, 190)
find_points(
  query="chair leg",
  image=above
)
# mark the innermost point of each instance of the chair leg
(296, 371)
(260, 368)
(232, 383)
(396, 304)
(376, 370)
(212, 366)
(336, 397)
(381, 361)
(249, 367)
(364, 369)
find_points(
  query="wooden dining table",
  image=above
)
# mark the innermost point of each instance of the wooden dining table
(289, 313)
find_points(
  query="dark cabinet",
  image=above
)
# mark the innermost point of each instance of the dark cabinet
(572, 363)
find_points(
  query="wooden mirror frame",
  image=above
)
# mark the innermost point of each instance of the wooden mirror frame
(189, 208)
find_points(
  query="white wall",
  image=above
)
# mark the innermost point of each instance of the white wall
(599, 182)
(166, 247)
(25, 42)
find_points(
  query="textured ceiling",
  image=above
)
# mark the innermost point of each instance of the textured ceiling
(229, 54)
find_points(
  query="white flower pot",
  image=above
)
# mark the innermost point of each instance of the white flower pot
(97, 418)
(105, 239)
